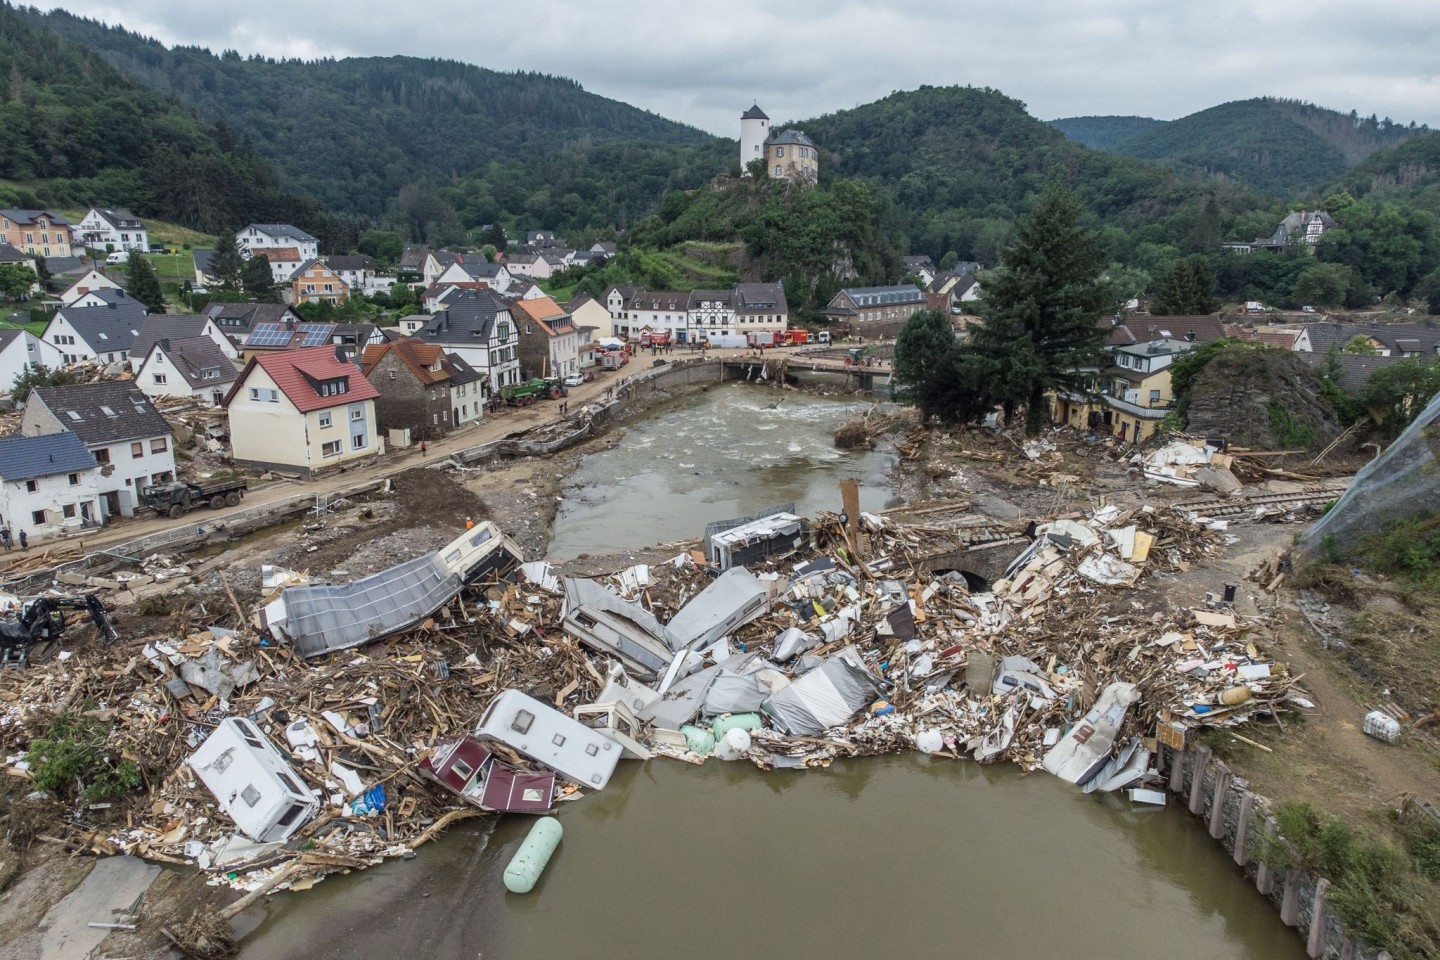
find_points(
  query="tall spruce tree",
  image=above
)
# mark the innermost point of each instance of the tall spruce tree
(1188, 290)
(924, 343)
(1042, 310)
(142, 284)
(227, 265)
(258, 280)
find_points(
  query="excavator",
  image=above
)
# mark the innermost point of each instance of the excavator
(41, 620)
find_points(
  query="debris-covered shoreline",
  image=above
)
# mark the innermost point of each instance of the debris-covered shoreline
(998, 671)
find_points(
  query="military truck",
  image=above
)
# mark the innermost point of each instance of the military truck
(178, 497)
(528, 391)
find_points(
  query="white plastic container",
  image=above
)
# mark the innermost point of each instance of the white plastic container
(1382, 726)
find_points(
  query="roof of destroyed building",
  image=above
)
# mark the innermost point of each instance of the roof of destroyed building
(299, 374)
(24, 458)
(199, 361)
(112, 327)
(105, 412)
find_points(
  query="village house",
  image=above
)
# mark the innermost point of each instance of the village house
(589, 312)
(119, 425)
(259, 236)
(473, 268)
(789, 155)
(549, 342)
(284, 262)
(708, 312)
(655, 312)
(616, 300)
(89, 282)
(360, 273)
(9, 254)
(21, 350)
(301, 411)
(103, 333)
(204, 259)
(278, 337)
(524, 290)
(479, 327)
(922, 268)
(1303, 227)
(421, 389)
(112, 228)
(236, 320)
(47, 485)
(534, 265)
(179, 326)
(316, 282)
(761, 307)
(40, 233)
(858, 306)
(438, 295)
(410, 324)
(192, 367)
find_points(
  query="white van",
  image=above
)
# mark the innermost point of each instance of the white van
(119, 256)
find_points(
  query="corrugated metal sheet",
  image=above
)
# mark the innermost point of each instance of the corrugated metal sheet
(320, 618)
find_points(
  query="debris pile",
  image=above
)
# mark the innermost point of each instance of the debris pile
(875, 634)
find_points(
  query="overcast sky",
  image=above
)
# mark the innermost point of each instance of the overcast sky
(703, 63)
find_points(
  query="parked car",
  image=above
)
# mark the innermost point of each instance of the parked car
(589, 376)
(574, 380)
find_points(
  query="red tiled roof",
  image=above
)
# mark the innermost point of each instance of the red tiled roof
(418, 355)
(292, 371)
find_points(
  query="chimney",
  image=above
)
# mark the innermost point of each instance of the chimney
(340, 356)
(289, 324)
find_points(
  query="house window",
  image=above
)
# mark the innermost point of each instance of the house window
(37, 517)
(74, 479)
(103, 455)
(777, 170)
(330, 449)
(522, 721)
(357, 442)
(69, 511)
(462, 769)
(160, 378)
(357, 413)
(158, 445)
(32, 486)
(1154, 396)
(137, 450)
(325, 420)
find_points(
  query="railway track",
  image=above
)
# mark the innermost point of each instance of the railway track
(1226, 507)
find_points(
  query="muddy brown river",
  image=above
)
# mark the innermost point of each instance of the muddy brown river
(900, 856)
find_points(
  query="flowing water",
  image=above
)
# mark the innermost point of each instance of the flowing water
(717, 455)
(898, 856)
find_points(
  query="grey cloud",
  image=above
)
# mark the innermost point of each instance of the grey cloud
(702, 63)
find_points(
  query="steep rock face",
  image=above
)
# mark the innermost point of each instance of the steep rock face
(1261, 399)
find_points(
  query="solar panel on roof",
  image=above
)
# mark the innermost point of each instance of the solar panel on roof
(314, 333)
(268, 335)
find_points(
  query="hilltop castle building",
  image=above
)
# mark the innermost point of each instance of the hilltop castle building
(788, 155)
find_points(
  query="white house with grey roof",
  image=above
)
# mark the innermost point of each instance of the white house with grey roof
(112, 228)
(21, 350)
(479, 328)
(48, 485)
(180, 326)
(119, 425)
(192, 367)
(99, 333)
(259, 236)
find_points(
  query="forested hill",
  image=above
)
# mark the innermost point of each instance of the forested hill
(1278, 146)
(1409, 173)
(352, 132)
(74, 131)
(1103, 133)
(960, 162)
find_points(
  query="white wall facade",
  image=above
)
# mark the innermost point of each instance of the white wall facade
(267, 430)
(56, 505)
(253, 238)
(23, 353)
(96, 231)
(753, 133)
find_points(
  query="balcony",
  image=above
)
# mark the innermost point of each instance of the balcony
(1147, 411)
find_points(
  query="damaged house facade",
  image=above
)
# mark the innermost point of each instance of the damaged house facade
(421, 389)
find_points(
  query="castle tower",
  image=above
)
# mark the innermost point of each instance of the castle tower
(754, 130)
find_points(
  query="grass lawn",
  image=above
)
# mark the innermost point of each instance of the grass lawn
(561, 294)
(36, 327)
(174, 267)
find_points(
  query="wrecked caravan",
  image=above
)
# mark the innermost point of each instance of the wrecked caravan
(774, 533)
(471, 769)
(733, 600)
(599, 618)
(256, 787)
(321, 618)
(549, 737)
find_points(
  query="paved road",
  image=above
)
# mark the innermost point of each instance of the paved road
(493, 427)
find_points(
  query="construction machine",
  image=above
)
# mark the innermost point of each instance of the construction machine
(41, 620)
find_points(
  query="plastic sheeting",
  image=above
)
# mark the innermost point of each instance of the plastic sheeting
(321, 618)
(1402, 482)
(824, 697)
(734, 693)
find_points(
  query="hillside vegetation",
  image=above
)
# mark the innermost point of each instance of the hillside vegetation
(1409, 173)
(1274, 145)
(1103, 133)
(352, 132)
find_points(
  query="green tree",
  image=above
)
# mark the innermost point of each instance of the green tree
(1396, 393)
(1187, 290)
(1324, 284)
(1362, 345)
(142, 283)
(1042, 310)
(1429, 290)
(383, 245)
(227, 265)
(38, 376)
(258, 281)
(925, 341)
(488, 251)
(494, 235)
(16, 281)
(948, 261)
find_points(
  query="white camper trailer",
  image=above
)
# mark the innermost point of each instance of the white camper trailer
(549, 737)
(256, 787)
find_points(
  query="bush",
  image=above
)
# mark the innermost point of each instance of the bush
(73, 760)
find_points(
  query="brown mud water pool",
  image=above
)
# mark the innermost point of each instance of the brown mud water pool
(901, 856)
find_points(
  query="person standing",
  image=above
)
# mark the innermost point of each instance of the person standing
(423, 449)
(24, 540)
(5, 538)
